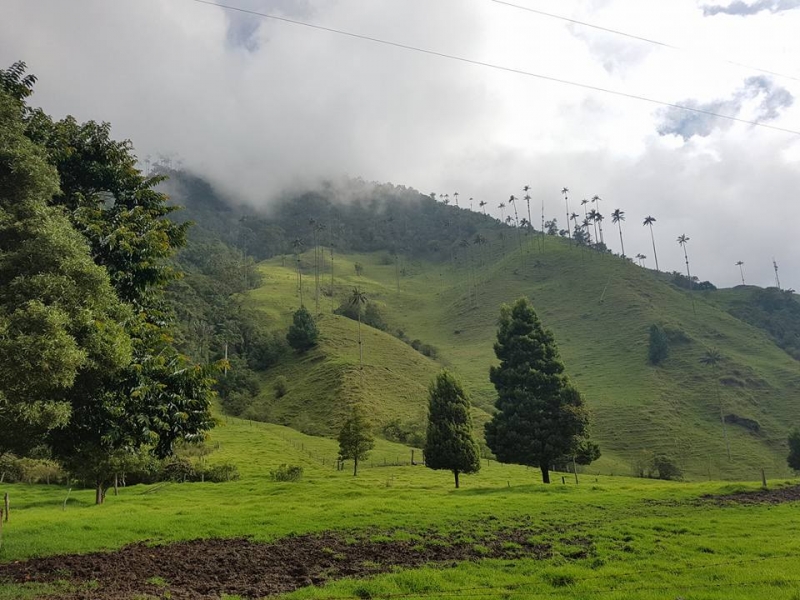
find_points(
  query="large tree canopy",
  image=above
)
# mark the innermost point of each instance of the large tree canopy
(158, 398)
(59, 317)
(540, 415)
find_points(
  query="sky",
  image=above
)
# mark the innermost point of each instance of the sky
(261, 106)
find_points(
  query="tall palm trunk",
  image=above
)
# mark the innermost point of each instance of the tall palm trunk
(360, 344)
(722, 418)
(621, 243)
(566, 201)
(655, 254)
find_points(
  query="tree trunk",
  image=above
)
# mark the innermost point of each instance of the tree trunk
(545, 473)
(455, 473)
(116, 484)
(99, 496)
(355, 467)
(360, 345)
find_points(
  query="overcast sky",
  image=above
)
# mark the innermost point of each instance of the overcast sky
(258, 106)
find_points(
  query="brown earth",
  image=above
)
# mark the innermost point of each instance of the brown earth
(210, 567)
(777, 495)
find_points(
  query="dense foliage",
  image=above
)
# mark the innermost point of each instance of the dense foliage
(303, 333)
(540, 415)
(775, 311)
(794, 450)
(449, 442)
(658, 348)
(355, 439)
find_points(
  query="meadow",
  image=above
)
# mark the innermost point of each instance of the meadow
(636, 538)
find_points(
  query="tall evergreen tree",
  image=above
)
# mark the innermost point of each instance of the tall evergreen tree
(450, 444)
(355, 439)
(303, 332)
(540, 415)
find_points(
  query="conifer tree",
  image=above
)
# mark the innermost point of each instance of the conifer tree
(303, 332)
(540, 414)
(355, 439)
(450, 444)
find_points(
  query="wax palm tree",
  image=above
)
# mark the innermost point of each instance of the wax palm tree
(446, 199)
(584, 204)
(502, 208)
(527, 221)
(640, 257)
(682, 241)
(593, 218)
(599, 219)
(618, 217)
(297, 244)
(312, 223)
(455, 196)
(565, 191)
(740, 264)
(358, 299)
(585, 224)
(712, 358)
(648, 221)
(470, 203)
(482, 204)
(574, 218)
(513, 201)
(527, 189)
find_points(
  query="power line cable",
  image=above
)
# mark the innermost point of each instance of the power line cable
(497, 67)
(643, 39)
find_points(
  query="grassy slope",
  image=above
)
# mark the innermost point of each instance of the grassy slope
(645, 541)
(637, 407)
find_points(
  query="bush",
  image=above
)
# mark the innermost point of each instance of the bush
(221, 473)
(303, 333)
(281, 386)
(177, 469)
(659, 346)
(372, 315)
(664, 467)
(286, 473)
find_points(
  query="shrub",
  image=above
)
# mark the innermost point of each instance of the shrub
(281, 386)
(221, 473)
(286, 473)
(659, 346)
(664, 467)
(177, 469)
(303, 333)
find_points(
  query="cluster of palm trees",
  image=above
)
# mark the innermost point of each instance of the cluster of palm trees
(587, 231)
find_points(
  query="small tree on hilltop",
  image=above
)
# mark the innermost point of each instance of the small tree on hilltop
(303, 333)
(450, 444)
(355, 439)
(794, 450)
(540, 414)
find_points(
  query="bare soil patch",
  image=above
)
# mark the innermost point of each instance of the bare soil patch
(208, 568)
(777, 495)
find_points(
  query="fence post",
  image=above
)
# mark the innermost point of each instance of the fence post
(6, 505)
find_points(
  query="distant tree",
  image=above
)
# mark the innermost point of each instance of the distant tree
(359, 269)
(648, 222)
(794, 450)
(355, 439)
(641, 258)
(358, 299)
(617, 217)
(540, 415)
(565, 191)
(303, 332)
(280, 386)
(712, 358)
(659, 345)
(297, 246)
(449, 443)
(482, 204)
(740, 264)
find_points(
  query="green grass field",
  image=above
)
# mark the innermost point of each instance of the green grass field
(646, 539)
(600, 308)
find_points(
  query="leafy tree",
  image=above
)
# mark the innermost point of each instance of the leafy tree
(449, 443)
(159, 398)
(540, 415)
(355, 439)
(303, 333)
(60, 321)
(587, 452)
(659, 345)
(794, 450)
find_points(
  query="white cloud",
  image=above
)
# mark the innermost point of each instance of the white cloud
(258, 106)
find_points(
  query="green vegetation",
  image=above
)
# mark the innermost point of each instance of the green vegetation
(449, 442)
(355, 439)
(794, 450)
(540, 416)
(303, 333)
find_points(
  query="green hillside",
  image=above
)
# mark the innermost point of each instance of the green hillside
(600, 308)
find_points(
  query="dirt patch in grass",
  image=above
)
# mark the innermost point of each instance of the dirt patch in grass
(777, 495)
(212, 567)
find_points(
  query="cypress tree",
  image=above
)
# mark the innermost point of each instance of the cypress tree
(450, 444)
(540, 415)
(659, 345)
(303, 333)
